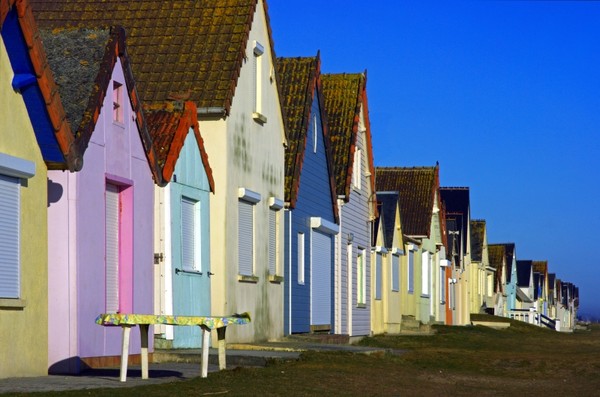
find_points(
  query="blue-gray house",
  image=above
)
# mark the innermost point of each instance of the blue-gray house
(311, 219)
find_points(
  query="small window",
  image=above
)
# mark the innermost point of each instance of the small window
(315, 134)
(117, 102)
(272, 242)
(245, 238)
(300, 258)
(425, 271)
(112, 254)
(442, 284)
(361, 282)
(410, 270)
(257, 65)
(357, 169)
(378, 275)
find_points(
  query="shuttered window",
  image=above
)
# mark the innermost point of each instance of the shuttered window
(300, 258)
(9, 237)
(410, 272)
(272, 241)
(378, 276)
(190, 235)
(360, 279)
(395, 272)
(425, 272)
(112, 248)
(357, 169)
(245, 238)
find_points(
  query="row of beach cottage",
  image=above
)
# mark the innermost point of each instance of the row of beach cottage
(156, 157)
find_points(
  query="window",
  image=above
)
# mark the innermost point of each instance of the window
(117, 102)
(247, 199)
(10, 225)
(190, 235)
(357, 169)
(257, 63)
(300, 258)
(442, 284)
(425, 271)
(274, 206)
(378, 276)
(361, 282)
(410, 270)
(395, 272)
(315, 134)
(112, 220)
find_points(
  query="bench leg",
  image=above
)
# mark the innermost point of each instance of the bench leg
(144, 340)
(125, 352)
(205, 342)
(222, 352)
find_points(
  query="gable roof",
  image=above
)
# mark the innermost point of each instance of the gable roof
(388, 206)
(477, 239)
(300, 85)
(168, 125)
(540, 267)
(345, 95)
(417, 187)
(82, 61)
(524, 272)
(179, 49)
(457, 203)
(497, 256)
(34, 80)
(508, 250)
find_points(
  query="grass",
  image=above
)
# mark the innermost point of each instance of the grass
(456, 361)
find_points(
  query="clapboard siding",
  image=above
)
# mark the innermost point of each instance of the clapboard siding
(314, 200)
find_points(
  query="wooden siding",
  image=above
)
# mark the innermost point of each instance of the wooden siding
(314, 200)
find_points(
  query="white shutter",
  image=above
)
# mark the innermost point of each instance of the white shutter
(300, 258)
(245, 238)
(9, 237)
(425, 265)
(189, 240)
(112, 248)
(320, 278)
(410, 271)
(378, 276)
(272, 242)
(395, 272)
(360, 278)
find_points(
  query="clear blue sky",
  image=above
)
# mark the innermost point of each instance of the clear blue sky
(504, 94)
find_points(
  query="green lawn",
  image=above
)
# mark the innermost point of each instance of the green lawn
(520, 360)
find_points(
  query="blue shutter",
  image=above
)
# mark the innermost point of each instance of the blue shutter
(189, 235)
(320, 278)
(9, 237)
(112, 248)
(245, 238)
(378, 276)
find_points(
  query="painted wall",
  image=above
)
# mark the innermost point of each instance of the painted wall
(77, 239)
(355, 320)
(184, 293)
(24, 328)
(247, 154)
(314, 200)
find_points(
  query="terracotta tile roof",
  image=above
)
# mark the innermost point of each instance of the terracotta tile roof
(168, 125)
(85, 59)
(300, 83)
(417, 187)
(477, 239)
(345, 94)
(28, 60)
(179, 49)
(388, 204)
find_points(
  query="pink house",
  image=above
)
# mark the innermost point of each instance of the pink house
(100, 219)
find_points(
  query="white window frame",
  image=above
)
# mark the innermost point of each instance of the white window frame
(315, 134)
(425, 272)
(257, 61)
(357, 169)
(410, 272)
(112, 251)
(361, 278)
(378, 276)
(275, 205)
(250, 198)
(195, 241)
(301, 258)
